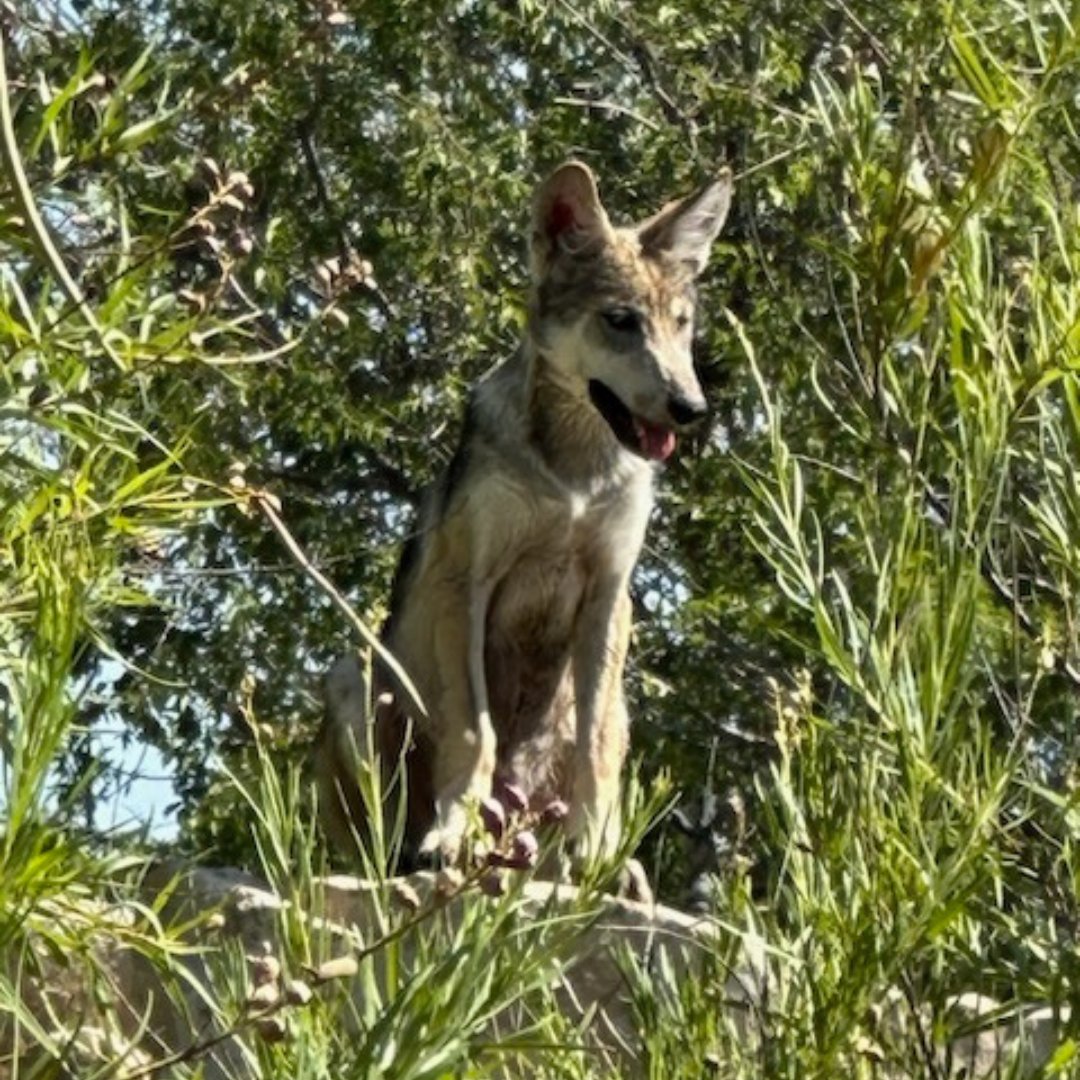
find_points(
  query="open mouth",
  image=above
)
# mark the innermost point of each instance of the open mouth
(654, 442)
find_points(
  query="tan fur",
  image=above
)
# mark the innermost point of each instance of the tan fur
(511, 612)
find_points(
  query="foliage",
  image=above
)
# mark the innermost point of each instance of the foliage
(255, 245)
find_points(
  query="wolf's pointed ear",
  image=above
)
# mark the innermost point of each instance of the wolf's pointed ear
(567, 214)
(686, 228)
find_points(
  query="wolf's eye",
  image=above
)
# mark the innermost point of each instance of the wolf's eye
(682, 320)
(624, 320)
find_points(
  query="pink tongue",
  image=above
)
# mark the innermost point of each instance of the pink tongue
(657, 443)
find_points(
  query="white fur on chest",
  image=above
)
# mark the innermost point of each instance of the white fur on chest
(510, 518)
(542, 553)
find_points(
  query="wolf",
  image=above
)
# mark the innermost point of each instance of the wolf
(510, 610)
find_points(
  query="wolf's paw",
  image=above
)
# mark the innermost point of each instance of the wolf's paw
(444, 842)
(594, 835)
(629, 881)
(595, 842)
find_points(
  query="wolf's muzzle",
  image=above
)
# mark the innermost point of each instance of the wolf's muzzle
(685, 410)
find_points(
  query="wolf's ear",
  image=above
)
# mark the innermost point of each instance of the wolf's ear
(567, 214)
(686, 228)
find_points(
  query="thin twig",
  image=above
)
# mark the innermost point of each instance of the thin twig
(607, 106)
(802, 144)
(174, 572)
(322, 193)
(647, 65)
(641, 60)
(200, 1047)
(874, 42)
(265, 502)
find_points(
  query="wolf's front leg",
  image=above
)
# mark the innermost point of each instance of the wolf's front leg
(601, 640)
(464, 765)
(464, 769)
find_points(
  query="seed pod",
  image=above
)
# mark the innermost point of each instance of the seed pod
(449, 882)
(241, 242)
(991, 150)
(514, 798)
(406, 896)
(493, 883)
(340, 967)
(272, 1029)
(265, 969)
(264, 996)
(238, 179)
(297, 992)
(493, 816)
(524, 851)
(555, 813)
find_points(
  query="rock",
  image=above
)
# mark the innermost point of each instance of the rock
(984, 1039)
(592, 976)
(993, 1039)
(133, 1011)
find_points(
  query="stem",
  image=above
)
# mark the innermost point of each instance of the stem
(264, 501)
(39, 234)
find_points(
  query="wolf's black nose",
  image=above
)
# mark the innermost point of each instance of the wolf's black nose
(684, 410)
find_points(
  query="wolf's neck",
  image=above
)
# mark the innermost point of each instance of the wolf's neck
(571, 437)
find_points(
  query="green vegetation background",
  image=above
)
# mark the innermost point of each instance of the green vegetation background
(262, 245)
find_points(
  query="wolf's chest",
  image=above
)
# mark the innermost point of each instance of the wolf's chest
(529, 639)
(537, 597)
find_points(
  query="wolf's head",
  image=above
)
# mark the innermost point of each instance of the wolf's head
(613, 308)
